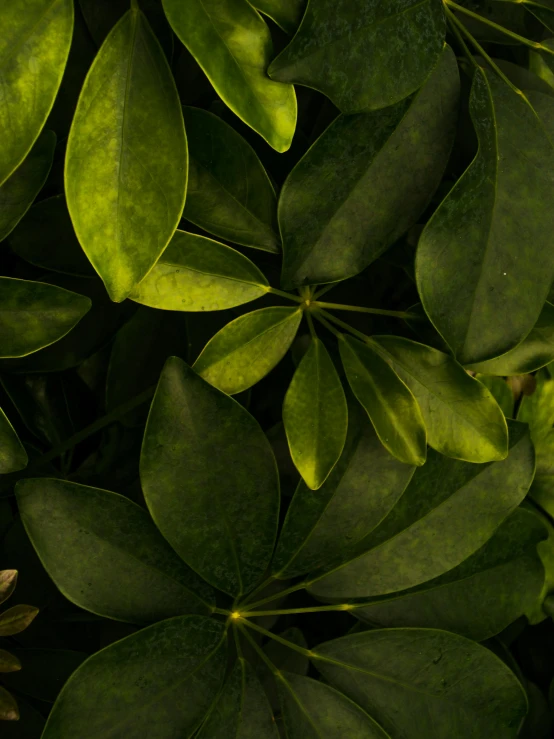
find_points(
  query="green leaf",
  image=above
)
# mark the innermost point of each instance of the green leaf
(249, 347)
(448, 511)
(536, 350)
(390, 405)
(210, 480)
(422, 683)
(541, 64)
(157, 683)
(472, 264)
(242, 710)
(8, 707)
(481, 596)
(232, 44)
(197, 274)
(501, 392)
(21, 188)
(537, 409)
(363, 57)
(105, 554)
(286, 13)
(34, 46)
(543, 11)
(16, 619)
(13, 456)
(46, 238)
(313, 710)
(8, 662)
(352, 195)
(315, 416)
(323, 526)
(34, 315)
(229, 193)
(126, 161)
(461, 416)
(8, 581)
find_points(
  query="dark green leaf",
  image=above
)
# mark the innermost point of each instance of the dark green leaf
(313, 710)
(461, 416)
(449, 510)
(8, 706)
(315, 416)
(20, 189)
(105, 554)
(210, 480)
(157, 683)
(229, 193)
(366, 56)
(34, 45)
(501, 392)
(8, 581)
(326, 525)
(480, 597)
(34, 315)
(232, 44)
(126, 162)
(390, 405)
(249, 347)
(8, 663)
(366, 180)
(29, 725)
(242, 710)
(490, 236)
(286, 13)
(422, 683)
(13, 456)
(197, 274)
(16, 619)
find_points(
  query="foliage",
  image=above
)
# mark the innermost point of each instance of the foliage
(240, 514)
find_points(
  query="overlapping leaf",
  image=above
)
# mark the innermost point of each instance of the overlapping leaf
(286, 13)
(13, 456)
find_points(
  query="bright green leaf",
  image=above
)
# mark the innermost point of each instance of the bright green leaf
(323, 526)
(484, 264)
(34, 315)
(126, 161)
(462, 418)
(105, 554)
(390, 405)
(315, 416)
(313, 710)
(21, 188)
(352, 195)
(422, 683)
(197, 274)
(210, 480)
(157, 683)
(242, 710)
(13, 456)
(232, 44)
(363, 57)
(481, 596)
(249, 347)
(34, 46)
(448, 511)
(16, 619)
(229, 193)
(286, 13)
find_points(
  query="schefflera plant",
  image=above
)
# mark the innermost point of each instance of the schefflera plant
(436, 559)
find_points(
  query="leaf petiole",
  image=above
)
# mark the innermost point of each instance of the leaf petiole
(345, 326)
(284, 642)
(275, 596)
(283, 294)
(265, 659)
(360, 309)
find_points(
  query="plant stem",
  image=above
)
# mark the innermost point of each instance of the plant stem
(346, 326)
(268, 663)
(360, 309)
(260, 587)
(456, 31)
(328, 326)
(283, 294)
(284, 642)
(311, 325)
(281, 593)
(313, 609)
(325, 289)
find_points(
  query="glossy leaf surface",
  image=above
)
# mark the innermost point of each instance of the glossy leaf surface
(223, 525)
(422, 683)
(197, 274)
(232, 44)
(34, 315)
(229, 193)
(366, 180)
(126, 163)
(461, 416)
(92, 536)
(390, 405)
(449, 510)
(358, 55)
(20, 189)
(315, 415)
(325, 525)
(249, 347)
(165, 676)
(40, 30)
(471, 272)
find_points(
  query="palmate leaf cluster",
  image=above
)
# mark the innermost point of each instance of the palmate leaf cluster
(276, 348)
